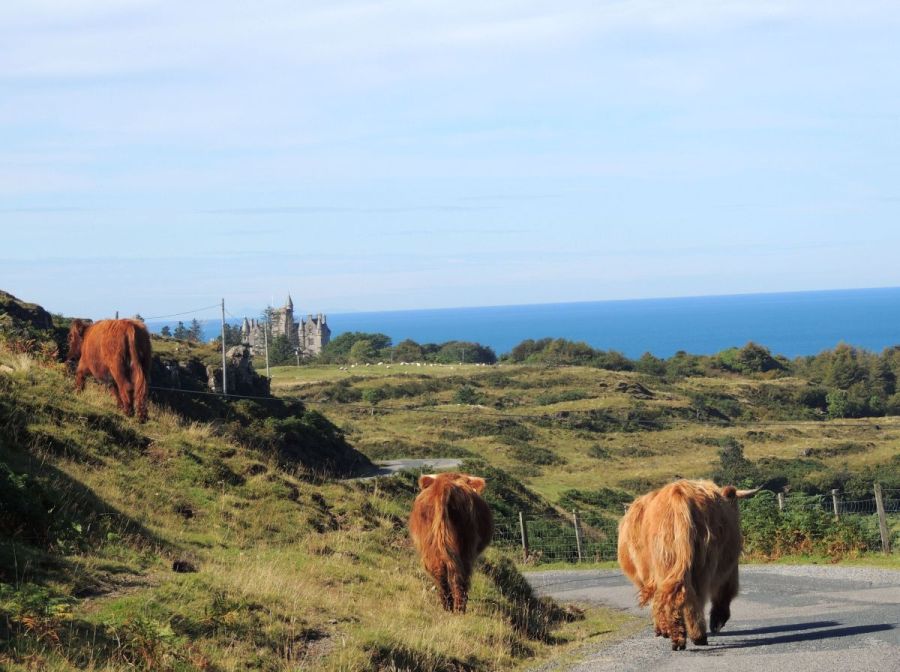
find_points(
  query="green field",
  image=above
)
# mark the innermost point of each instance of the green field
(294, 569)
(566, 428)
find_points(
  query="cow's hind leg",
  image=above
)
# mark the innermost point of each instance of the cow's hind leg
(124, 387)
(79, 379)
(693, 616)
(441, 580)
(721, 601)
(660, 623)
(459, 584)
(672, 612)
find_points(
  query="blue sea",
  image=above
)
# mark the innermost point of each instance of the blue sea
(791, 323)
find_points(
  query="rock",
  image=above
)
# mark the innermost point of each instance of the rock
(184, 567)
(19, 313)
(242, 379)
(634, 389)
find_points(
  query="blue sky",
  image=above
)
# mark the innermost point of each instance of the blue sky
(157, 156)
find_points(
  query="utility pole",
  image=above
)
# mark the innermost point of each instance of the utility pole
(224, 369)
(266, 338)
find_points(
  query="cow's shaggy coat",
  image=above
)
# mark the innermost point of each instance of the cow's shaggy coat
(680, 546)
(451, 525)
(117, 350)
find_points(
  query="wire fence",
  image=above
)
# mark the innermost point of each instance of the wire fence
(573, 538)
(555, 539)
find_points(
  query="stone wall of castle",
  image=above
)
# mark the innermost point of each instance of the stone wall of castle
(310, 335)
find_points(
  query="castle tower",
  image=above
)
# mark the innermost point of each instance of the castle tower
(310, 334)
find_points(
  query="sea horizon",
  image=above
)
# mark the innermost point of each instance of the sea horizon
(792, 323)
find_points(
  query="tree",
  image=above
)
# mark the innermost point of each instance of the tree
(281, 351)
(232, 336)
(338, 349)
(408, 351)
(734, 468)
(362, 351)
(755, 358)
(180, 332)
(528, 348)
(650, 365)
(165, 332)
(845, 369)
(195, 333)
(465, 352)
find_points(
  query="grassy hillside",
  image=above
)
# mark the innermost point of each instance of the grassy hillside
(200, 541)
(588, 438)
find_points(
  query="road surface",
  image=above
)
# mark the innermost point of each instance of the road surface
(806, 618)
(391, 467)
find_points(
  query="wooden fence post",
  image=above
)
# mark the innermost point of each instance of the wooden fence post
(781, 501)
(577, 534)
(882, 520)
(523, 528)
(836, 502)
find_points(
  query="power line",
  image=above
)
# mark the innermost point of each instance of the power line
(187, 312)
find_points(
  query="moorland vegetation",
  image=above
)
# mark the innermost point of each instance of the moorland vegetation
(225, 535)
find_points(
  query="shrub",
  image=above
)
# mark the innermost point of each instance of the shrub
(803, 527)
(468, 395)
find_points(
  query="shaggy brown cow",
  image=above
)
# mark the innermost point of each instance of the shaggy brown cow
(680, 546)
(450, 525)
(117, 349)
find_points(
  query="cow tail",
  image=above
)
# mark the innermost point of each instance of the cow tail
(441, 531)
(675, 553)
(138, 378)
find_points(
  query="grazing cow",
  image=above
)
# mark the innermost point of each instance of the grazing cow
(680, 546)
(450, 525)
(117, 349)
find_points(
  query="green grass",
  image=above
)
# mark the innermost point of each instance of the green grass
(568, 433)
(585, 454)
(294, 570)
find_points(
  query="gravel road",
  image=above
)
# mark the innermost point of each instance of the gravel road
(390, 467)
(789, 618)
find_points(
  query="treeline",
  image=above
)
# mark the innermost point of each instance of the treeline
(356, 347)
(193, 332)
(845, 382)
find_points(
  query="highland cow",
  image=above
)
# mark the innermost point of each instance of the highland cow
(116, 350)
(680, 546)
(451, 525)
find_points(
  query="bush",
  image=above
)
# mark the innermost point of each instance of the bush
(803, 527)
(467, 395)
(752, 358)
(734, 468)
(453, 352)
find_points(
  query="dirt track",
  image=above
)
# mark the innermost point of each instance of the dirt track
(790, 618)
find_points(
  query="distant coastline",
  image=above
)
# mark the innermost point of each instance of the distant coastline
(788, 323)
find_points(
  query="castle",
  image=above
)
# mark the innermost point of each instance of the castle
(310, 335)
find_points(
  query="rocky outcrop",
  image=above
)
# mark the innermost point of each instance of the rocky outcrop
(21, 318)
(241, 377)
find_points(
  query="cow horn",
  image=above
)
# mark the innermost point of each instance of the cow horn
(740, 494)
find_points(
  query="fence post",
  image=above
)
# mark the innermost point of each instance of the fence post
(577, 533)
(882, 520)
(523, 528)
(836, 502)
(781, 501)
